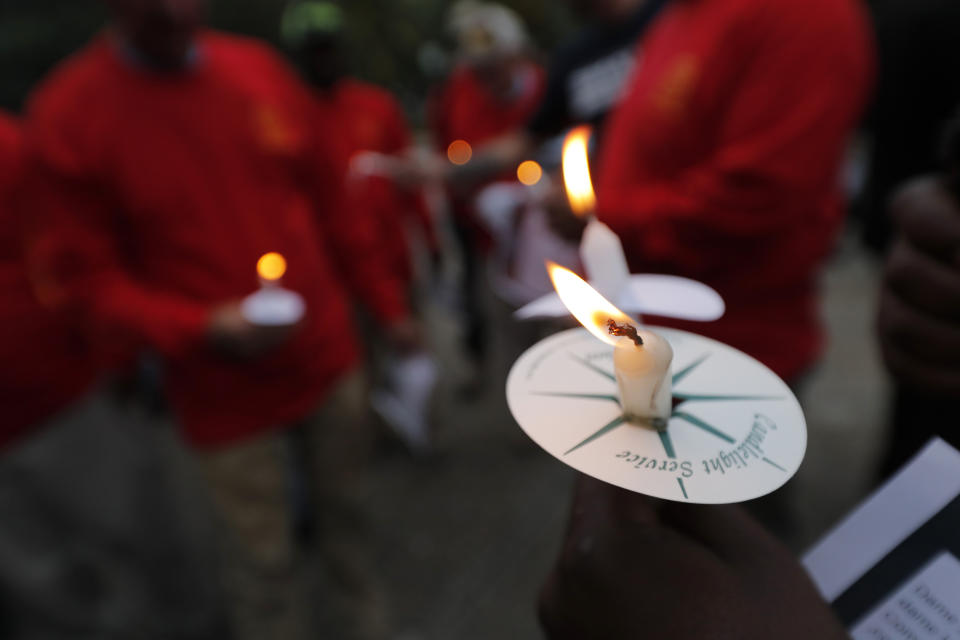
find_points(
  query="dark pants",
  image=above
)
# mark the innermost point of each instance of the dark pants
(476, 330)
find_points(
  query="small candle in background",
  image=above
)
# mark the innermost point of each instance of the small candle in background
(600, 249)
(529, 172)
(272, 305)
(271, 267)
(459, 152)
(642, 359)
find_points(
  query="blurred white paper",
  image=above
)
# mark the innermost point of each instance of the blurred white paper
(649, 294)
(496, 206)
(524, 241)
(912, 497)
(926, 607)
(519, 277)
(404, 401)
(368, 164)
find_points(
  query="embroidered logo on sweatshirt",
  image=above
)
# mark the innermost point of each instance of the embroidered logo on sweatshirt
(274, 132)
(675, 89)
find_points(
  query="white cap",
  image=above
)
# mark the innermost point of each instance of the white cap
(485, 29)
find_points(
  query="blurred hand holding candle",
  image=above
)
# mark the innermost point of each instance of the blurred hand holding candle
(272, 305)
(641, 358)
(600, 249)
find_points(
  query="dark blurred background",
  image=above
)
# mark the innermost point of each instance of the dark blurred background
(36, 34)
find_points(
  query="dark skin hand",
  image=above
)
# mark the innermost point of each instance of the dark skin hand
(919, 318)
(634, 567)
(235, 337)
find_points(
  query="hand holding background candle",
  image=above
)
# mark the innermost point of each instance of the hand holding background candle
(641, 358)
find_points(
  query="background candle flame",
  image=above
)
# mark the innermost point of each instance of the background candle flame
(459, 152)
(529, 172)
(576, 172)
(271, 266)
(590, 308)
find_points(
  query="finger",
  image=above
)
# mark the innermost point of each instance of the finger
(925, 337)
(906, 367)
(599, 514)
(929, 215)
(923, 281)
(727, 531)
(598, 503)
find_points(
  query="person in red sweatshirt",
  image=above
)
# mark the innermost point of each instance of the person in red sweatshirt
(722, 162)
(371, 124)
(493, 91)
(165, 160)
(46, 366)
(374, 133)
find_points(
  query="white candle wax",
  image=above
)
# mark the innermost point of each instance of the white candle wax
(274, 306)
(643, 374)
(602, 254)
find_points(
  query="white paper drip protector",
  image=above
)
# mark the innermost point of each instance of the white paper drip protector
(737, 431)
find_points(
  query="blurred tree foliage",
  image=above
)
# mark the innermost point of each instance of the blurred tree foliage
(34, 35)
(391, 42)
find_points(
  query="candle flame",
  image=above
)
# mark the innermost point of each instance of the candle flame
(576, 172)
(590, 308)
(459, 152)
(271, 266)
(529, 172)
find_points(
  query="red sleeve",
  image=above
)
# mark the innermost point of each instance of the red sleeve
(414, 202)
(76, 249)
(350, 234)
(439, 105)
(782, 134)
(398, 138)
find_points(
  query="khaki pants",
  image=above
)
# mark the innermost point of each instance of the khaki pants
(249, 483)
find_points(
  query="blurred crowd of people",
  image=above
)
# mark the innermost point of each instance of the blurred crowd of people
(153, 169)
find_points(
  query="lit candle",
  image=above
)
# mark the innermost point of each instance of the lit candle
(272, 305)
(641, 358)
(600, 248)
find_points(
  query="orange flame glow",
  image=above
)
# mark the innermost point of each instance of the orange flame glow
(529, 173)
(576, 172)
(590, 308)
(459, 152)
(271, 266)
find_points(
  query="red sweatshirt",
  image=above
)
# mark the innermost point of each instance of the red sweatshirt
(464, 109)
(722, 163)
(45, 366)
(155, 195)
(370, 119)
